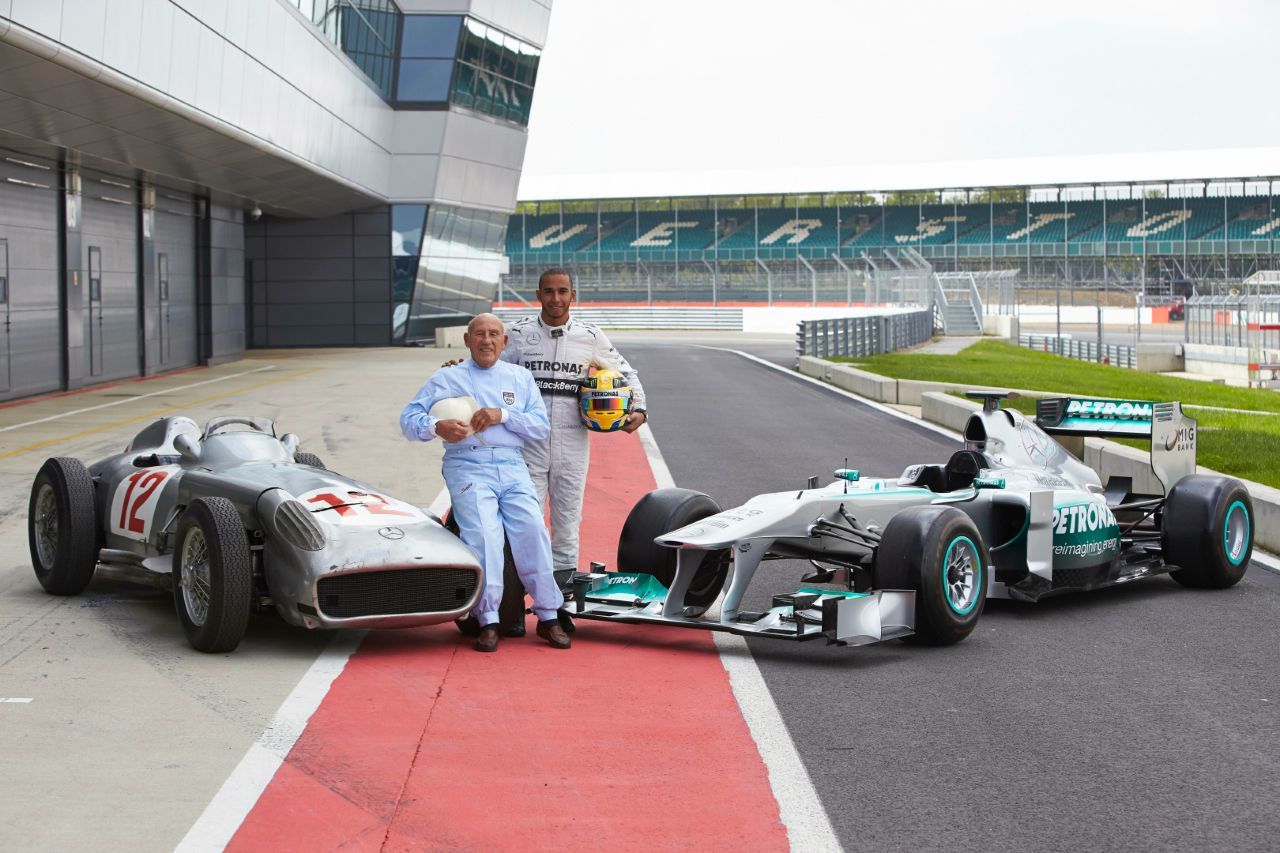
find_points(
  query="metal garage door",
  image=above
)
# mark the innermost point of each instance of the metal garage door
(30, 327)
(109, 247)
(171, 284)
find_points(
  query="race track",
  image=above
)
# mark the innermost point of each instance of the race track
(1140, 717)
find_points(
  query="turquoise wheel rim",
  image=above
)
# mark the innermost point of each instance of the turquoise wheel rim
(962, 575)
(1236, 530)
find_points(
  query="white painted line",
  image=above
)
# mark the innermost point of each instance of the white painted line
(214, 828)
(1267, 561)
(880, 407)
(135, 399)
(801, 811)
(15, 700)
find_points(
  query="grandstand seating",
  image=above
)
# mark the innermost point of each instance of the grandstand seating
(740, 233)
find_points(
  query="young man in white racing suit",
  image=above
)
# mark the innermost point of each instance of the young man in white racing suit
(558, 350)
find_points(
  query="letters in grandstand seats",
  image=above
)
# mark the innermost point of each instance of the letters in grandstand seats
(799, 229)
(1040, 221)
(1159, 222)
(929, 228)
(548, 236)
(661, 234)
(1266, 228)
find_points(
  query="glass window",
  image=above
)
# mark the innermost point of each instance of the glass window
(406, 228)
(430, 36)
(424, 80)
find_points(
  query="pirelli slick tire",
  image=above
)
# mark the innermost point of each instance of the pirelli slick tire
(212, 575)
(511, 610)
(938, 552)
(304, 458)
(62, 530)
(1207, 531)
(662, 511)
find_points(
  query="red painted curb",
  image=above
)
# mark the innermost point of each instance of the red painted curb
(631, 740)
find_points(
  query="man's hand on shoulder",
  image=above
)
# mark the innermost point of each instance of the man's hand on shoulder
(485, 418)
(451, 362)
(452, 430)
(634, 420)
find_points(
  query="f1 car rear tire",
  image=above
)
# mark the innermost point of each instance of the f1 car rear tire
(938, 552)
(62, 527)
(662, 511)
(304, 458)
(212, 575)
(1207, 531)
(511, 609)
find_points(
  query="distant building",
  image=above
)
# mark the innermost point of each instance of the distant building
(180, 180)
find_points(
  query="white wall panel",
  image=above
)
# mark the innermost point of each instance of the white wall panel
(122, 42)
(209, 63)
(83, 25)
(231, 88)
(43, 16)
(183, 68)
(156, 39)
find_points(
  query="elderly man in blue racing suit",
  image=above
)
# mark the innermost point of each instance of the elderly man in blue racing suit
(558, 350)
(486, 473)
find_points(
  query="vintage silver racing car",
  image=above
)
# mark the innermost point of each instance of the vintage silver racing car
(237, 518)
(1012, 514)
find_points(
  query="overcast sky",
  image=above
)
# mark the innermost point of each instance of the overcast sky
(651, 97)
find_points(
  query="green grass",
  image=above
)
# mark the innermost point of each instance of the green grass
(1243, 444)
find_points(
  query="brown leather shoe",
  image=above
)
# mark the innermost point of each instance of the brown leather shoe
(488, 639)
(554, 634)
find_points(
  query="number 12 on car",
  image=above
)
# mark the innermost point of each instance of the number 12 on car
(133, 507)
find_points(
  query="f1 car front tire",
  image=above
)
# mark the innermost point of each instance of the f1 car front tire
(62, 526)
(212, 575)
(1207, 531)
(662, 511)
(304, 458)
(938, 552)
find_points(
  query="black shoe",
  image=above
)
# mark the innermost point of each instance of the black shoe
(566, 621)
(488, 639)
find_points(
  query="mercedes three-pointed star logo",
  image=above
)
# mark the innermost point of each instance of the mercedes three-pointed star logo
(391, 533)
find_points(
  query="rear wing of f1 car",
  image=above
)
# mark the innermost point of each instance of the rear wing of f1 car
(1172, 434)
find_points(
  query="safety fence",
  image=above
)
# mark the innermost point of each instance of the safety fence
(1081, 350)
(862, 336)
(1225, 320)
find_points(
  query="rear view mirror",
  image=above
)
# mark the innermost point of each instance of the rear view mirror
(187, 448)
(290, 442)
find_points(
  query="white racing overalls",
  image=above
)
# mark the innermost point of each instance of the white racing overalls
(558, 358)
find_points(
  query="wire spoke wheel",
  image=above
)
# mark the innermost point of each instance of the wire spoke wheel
(45, 522)
(195, 576)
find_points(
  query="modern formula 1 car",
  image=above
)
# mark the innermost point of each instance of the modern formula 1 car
(1011, 514)
(237, 519)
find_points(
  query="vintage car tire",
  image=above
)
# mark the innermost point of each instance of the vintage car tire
(918, 549)
(662, 511)
(511, 609)
(214, 525)
(304, 458)
(1207, 531)
(62, 527)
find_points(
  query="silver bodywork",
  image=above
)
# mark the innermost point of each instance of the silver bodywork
(309, 529)
(1046, 521)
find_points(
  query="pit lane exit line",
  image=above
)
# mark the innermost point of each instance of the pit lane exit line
(134, 399)
(801, 811)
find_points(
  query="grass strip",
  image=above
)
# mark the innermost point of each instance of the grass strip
(1242, 444)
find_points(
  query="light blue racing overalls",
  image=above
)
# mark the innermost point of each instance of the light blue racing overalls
(488, 481)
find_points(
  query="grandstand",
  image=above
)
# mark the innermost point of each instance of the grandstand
(820, 247)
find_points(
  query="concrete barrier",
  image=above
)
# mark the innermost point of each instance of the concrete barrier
(1118, 460)
(1221, 361)
(1159, 358)
(870, 385)
(450, 336)
(1000, 325)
